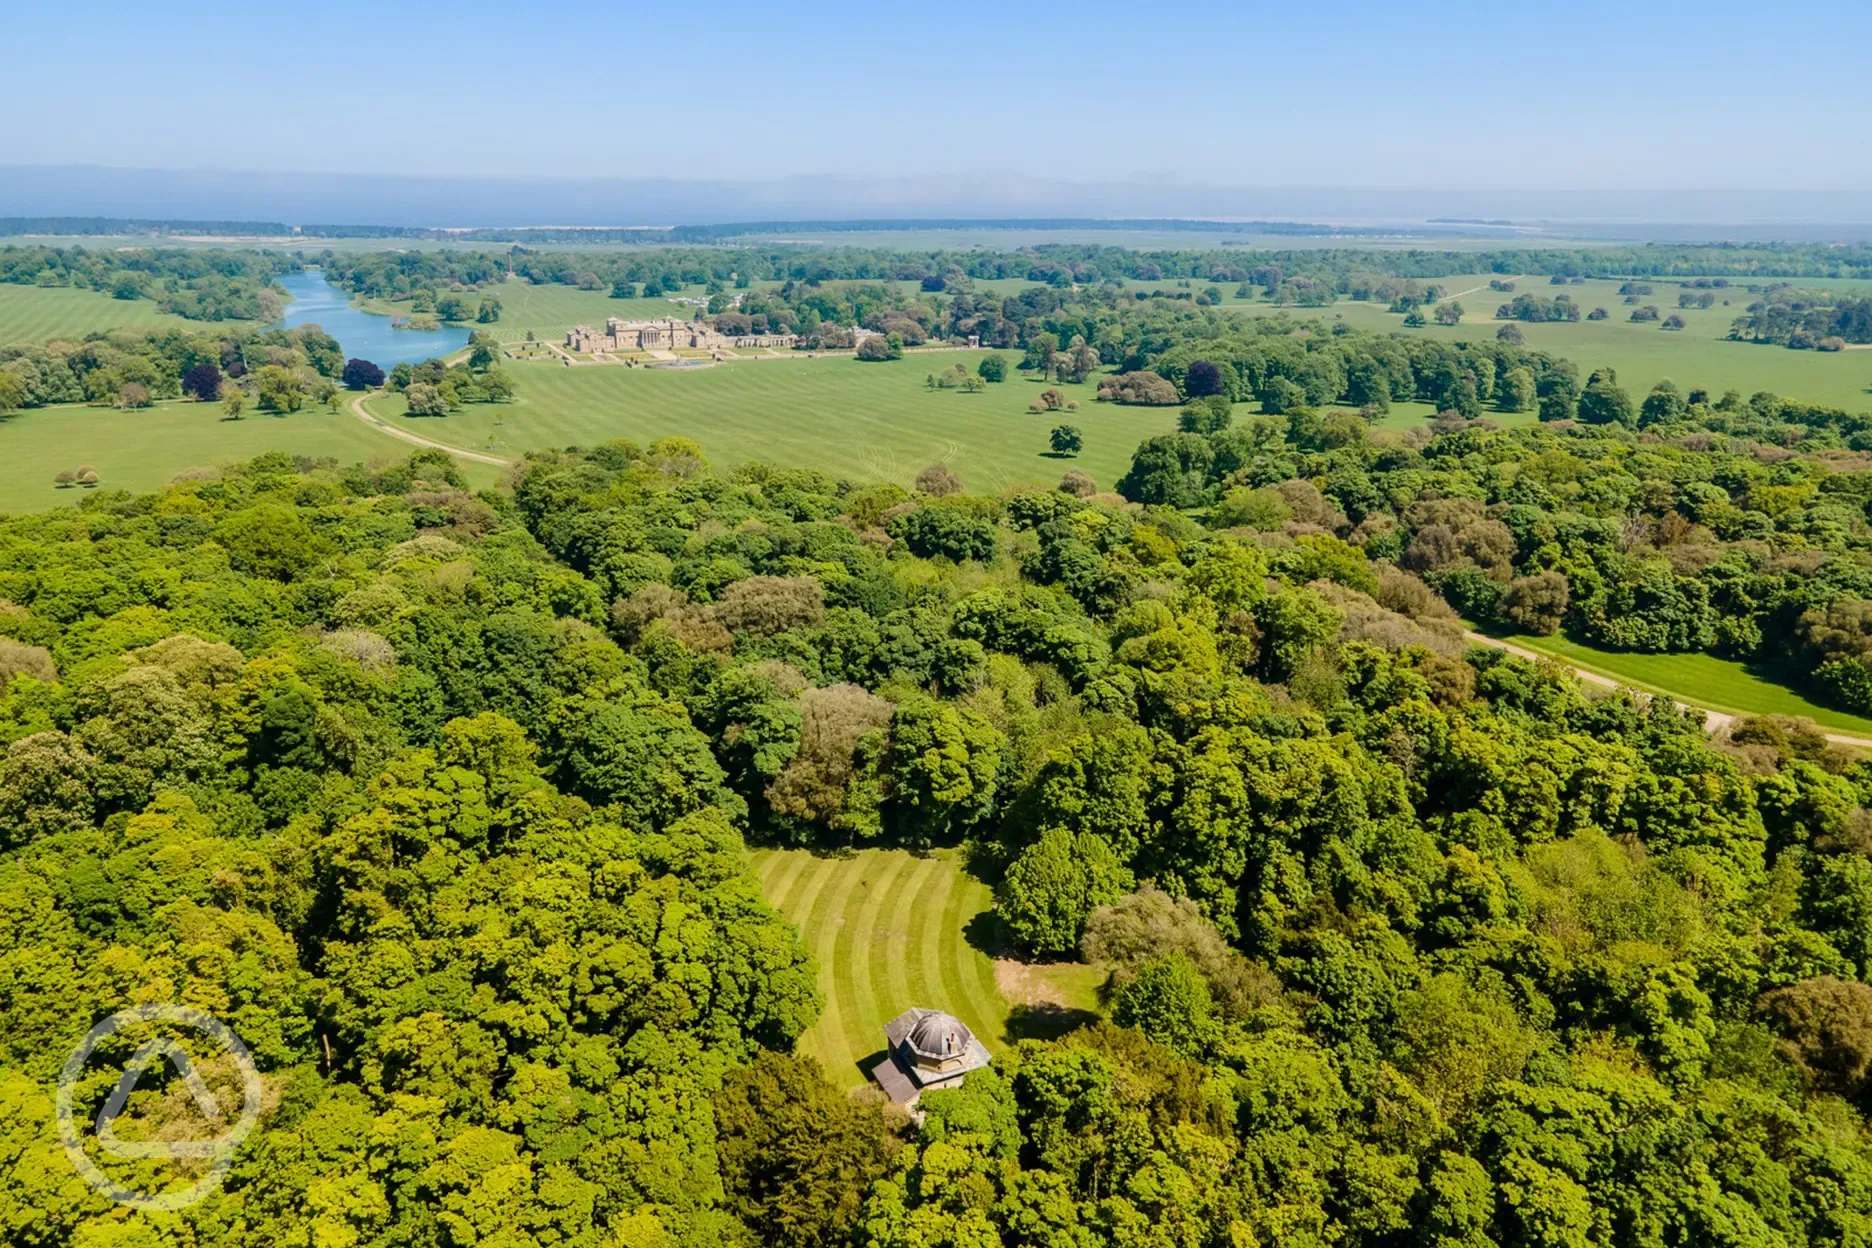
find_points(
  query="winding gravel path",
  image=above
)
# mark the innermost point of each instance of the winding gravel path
(382, 426)
(1715, 721)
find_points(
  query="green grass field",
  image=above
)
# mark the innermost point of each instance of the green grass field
(145, 449)
(1709, 682)
(866, 421)
(38, 314)
(890, 930)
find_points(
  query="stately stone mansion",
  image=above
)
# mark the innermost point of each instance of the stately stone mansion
(668, 334)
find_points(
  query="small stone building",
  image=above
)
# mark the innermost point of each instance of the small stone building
(925, 1050)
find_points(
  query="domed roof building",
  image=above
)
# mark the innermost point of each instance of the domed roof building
(925, 1049)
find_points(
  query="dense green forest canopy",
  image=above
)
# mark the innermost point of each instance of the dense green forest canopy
(200, 284)
(440, 798)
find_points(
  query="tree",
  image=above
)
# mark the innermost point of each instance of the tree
(942, 770)
(993, 368)
(233, 401)
(1143, 388)
(1169, 1001)
(45, 788)
(1827, 1025)
(203, 381)
(1066, 440)
(483, 352)
(1414, 319)
(945, 531)
(1078, 362)
(1517, 392)
(425, 399)
(1208, 415)
(1055, 885)
(1077, 484)
(1449, 314)
(489, 311)
(134, 394)
(1537, 603)
(1171, 469)
(362, 375)
(1203, 378)
(939, 481)
(877, 348)
(1511, 334)
(622, 289)
(1665, 403)
(12, 392)
(279, 388)
(797, 1155)
(1604, 403)
(64, 478)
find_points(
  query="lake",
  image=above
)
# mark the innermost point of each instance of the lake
(363, 335)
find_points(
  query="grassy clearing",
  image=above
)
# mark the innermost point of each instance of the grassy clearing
(40, 314)
(890, 930)
(865, 421)
(1701, 679)
(145, 449)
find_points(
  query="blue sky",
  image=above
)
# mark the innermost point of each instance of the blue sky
(1340, 93)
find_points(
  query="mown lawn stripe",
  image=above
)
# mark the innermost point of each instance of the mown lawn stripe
(944, 945)
(892, 936)
(978, 966)
(813, 923)
(860, 956)
(923, 977)
(781, 877)
(835, 929)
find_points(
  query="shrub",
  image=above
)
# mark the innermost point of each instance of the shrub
(1140, 389)
(938, 481)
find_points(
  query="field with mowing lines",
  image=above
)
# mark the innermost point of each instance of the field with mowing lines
(143, 450)
(890, 930)
(865, 421)
(1702, 679)
(40, 314)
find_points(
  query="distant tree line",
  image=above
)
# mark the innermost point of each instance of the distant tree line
(1791, 317)
(202, 285)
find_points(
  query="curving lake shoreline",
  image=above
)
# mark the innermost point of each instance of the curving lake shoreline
(363, 335)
